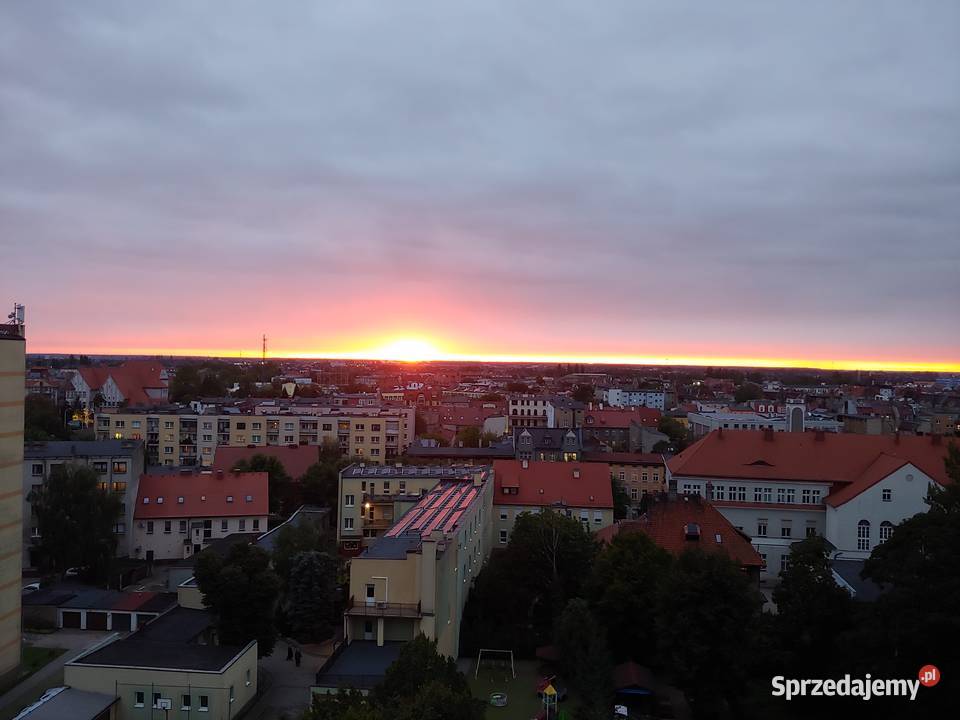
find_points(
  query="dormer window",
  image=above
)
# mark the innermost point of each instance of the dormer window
(160, 500)
(249, 498)
(229, 498)
(180, 500)
(146, 501)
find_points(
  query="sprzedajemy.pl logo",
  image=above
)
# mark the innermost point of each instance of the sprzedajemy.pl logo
(866, 687)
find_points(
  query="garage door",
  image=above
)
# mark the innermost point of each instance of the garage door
(71, 619)
(121, 622)
(96, 620)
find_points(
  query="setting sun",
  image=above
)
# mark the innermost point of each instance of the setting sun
(408, 350)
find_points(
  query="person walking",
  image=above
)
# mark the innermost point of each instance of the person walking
(289, 652)
(298, 657)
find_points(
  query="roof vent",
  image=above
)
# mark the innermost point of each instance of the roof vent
(692, 531)
(576, 472)
(525, 464)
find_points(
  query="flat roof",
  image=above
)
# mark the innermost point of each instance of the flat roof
(36, 449)
(173, 652)
(66, 703)
(441, 472)
(362, 664)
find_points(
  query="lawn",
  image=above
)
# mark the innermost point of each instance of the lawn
(35, 658)
(522, 700)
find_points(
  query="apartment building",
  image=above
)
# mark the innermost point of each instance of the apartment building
(416, 577)
(134, 383)
(528, 411)
(179, 514)
(639, 473)
(613, 427)
(618, 397)
(12, 393)
(795, 419)
(119, 463)
(553, 444)
(780, 487)
(565, 412)
(372, 498)
(181, 436)
(578, 490)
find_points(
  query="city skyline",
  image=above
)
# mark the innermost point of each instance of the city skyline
(737, 185)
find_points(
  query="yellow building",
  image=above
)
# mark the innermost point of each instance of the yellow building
(183, 437)
(12, 393)
(416, 577)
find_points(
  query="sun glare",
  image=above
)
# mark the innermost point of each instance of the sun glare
(408, 350)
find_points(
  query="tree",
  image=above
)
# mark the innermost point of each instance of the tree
(704, 615)
(75, 519)
(583, 393)
(623, 588)
(410, 687)
(582, 649)
(748, 391)
(621, 500)
(347, 704)
(42, 420)
(277, 477)
(518, 387)
(468, 437)
(242, 590)
(312, 595)
(294, 539)
(812, 610)
(674, 429)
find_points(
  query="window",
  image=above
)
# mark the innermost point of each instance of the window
(791, 495)
(886, 530)
(180, 500)
(256, 426)
(248, 498)
(786, 529)
(242, 524)
(784, 562)
(224, 525)
(597, 517)
(248, 677)
(37, 469)
(183, 527)
(241, 426)
(386, 487)
(119, 467)
(689, 489)
(504, 514)
(781, 495)
(863, 535)
(256, 524)
(229, 498)
(156, 699)
(100, 468)
(138, 698)
(149, 527)
(763, 561)
(633, 493)
(403, 486)
(232, 697)
(761, 527)
(167, 527)
(811, 531)
(204, 703)
(167, 450)
(120, 528)
(767, 494)
(168, 424)
(184, 702)
(720, 493)
(503, 537)
(887, 495)
(160, 500)
(805, 496)
(815, 497)
(257, 439)
(134, 423)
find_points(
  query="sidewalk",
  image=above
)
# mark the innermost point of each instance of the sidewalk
(50, 675)
(289, 692)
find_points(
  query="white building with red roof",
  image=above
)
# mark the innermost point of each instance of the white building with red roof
(134, 383)
(780, 487)
(179, 514)
(582, 491)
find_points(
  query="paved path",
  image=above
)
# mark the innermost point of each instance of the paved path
(51, 674)
(289, 692)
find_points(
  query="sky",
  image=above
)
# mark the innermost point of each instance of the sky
(750, 182)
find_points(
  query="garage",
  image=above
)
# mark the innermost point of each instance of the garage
(96, 620)
(121, 622)
(71, 619)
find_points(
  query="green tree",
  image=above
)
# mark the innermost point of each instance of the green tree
(623, 588)
(42, 420)
(75, 518)
(582, 648)
(748, 391)
(347, 704)
(277, 477)
(812, 610)
(312, 595)
(294, 539)
(674, 429)
(704, 616)
(621, 500)
(468, 437)
(242, 591)
(185, 384)
(583, 393)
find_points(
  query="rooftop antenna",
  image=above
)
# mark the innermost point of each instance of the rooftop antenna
(263, 356)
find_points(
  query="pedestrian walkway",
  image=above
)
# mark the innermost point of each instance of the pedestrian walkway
(289, 691)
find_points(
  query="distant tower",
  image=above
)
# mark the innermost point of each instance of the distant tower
(263, 352)
(796, 413)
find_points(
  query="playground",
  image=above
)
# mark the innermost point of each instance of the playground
(494, 680)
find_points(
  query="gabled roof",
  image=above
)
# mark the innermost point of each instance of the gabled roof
(550, 484)
(809, 456)
(295, 460)
(666, 522)
(204, 494)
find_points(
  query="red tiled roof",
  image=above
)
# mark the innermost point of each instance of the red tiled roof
(666, 523)
(94, 377)
(624, 458)
(851, 462)
(295, 460)
(619, 418)
(550, 483)
(204, 495)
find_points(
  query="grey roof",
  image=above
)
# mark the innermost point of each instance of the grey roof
(361, 664)
(392, 548)
(547, 438)
(406, 471)
(145, 650)
(36, 450)
(304, 513)
(849, 574)
(180, 625)
(65, 703)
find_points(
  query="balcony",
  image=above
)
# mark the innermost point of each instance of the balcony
(382, 609)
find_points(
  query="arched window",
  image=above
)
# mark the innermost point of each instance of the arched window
(886, 530)
(863, 535)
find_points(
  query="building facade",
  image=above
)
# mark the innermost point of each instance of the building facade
(119, 463)
(639, 473)
(12, 393)
(618, 397)
(184, 437)
(528, 411)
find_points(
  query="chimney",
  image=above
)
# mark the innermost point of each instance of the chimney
(768, 434)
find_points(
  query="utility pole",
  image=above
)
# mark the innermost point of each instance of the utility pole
(263, 356)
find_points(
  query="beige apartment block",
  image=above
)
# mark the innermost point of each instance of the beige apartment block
(12, 393)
